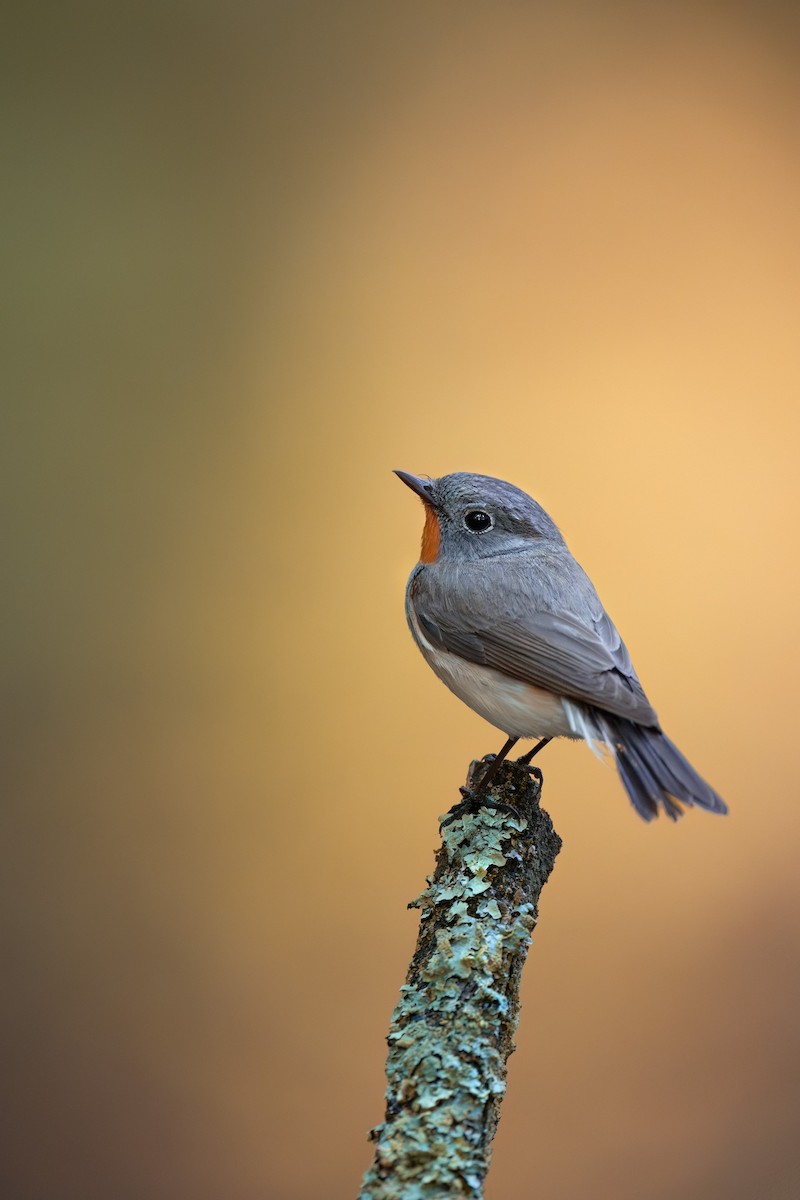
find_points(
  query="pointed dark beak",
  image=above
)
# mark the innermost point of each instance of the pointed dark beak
(423, 487)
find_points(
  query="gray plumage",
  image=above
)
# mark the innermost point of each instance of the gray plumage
(510, 621)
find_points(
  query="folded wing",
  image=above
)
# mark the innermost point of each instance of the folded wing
(585, 661)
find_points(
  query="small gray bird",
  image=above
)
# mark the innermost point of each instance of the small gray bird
(512, 624)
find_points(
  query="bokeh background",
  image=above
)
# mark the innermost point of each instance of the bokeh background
(258, 255)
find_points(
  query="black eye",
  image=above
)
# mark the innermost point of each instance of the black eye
(478, 521)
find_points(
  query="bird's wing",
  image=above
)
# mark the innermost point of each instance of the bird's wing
(581, 660)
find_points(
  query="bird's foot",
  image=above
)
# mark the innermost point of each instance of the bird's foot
(534, 772)
(472, 802)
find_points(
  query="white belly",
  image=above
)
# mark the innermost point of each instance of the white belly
(518, 709)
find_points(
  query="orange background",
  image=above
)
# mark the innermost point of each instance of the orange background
(263, 254)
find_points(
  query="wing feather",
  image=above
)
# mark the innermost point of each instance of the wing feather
(582, 659)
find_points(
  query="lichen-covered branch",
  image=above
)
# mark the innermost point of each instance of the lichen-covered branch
(453, 1028)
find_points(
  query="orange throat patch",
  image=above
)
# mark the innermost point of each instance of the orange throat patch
(431, 536)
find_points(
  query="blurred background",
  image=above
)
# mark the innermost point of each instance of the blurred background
(259, 255)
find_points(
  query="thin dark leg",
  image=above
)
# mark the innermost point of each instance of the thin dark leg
(526, 758)
(473, 797)
(491, 771)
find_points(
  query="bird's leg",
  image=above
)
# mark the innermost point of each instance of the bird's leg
(490, 772)
(474, 798)
(524, 761)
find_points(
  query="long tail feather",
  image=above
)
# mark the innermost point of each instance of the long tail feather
(655, 773)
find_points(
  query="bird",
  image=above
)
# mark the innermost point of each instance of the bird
(511, 623)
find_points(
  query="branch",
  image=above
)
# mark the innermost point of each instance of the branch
(452, 1030)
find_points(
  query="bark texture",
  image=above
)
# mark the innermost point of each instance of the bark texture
(453, 1028)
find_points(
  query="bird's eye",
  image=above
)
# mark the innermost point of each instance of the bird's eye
(478, 521)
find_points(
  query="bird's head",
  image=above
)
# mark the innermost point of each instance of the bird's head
(468, 517)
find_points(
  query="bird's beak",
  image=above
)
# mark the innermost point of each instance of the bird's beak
(423, 487)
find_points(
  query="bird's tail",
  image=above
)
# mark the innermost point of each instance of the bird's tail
(655, 773)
